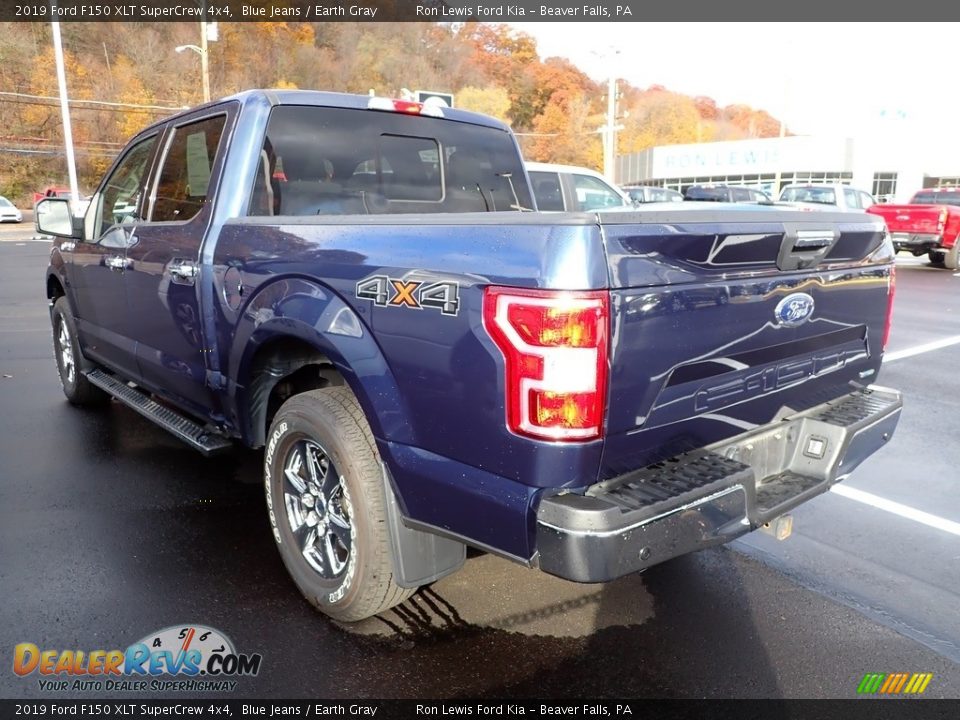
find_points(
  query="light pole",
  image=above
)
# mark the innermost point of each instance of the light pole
(610, 127)
(204, 63)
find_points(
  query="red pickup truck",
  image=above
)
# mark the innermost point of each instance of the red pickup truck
(929, 223)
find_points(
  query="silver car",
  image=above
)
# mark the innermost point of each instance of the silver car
(9, 213)
(826, 197)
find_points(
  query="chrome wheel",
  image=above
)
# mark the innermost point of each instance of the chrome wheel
(65, 343)
(317, 509)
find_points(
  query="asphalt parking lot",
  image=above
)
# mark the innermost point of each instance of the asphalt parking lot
(110, 530)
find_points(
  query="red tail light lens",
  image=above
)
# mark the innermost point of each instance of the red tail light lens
(942, 221)
(555, 347)
(891, 291)
(409, 107)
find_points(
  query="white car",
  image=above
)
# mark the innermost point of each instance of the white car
(572, 188)
(9, 213)
(652, 193)
(827, 197)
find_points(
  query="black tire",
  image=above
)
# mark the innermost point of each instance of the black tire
(346, 583)
(935, 257)
(70, 361)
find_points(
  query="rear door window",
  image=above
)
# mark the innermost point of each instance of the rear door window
(184, 181)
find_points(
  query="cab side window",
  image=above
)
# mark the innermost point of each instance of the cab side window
(593, 194)
(185, 178)
(546, 189)
(120, 197)
(853, 200)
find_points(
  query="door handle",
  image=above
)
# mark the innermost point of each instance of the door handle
(67, 246)
(184, 270)
(117, 263)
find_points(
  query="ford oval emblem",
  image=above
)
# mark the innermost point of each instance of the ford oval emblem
(794, 310)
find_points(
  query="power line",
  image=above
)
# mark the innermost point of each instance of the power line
(24, 151)
(29, 99)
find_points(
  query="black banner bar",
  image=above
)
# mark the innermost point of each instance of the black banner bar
(463, 11)
(860, 709)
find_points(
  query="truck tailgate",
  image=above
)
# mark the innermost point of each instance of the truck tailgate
(911, 219)
(723, 320)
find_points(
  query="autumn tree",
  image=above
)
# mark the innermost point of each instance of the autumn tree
(491, 68)
(661, 118)
(489, 101)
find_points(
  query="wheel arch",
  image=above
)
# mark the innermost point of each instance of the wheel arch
(55, 288)
(301, 334)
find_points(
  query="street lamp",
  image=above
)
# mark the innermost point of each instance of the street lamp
(204, 65)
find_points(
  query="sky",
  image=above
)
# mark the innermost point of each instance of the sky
(851, 79)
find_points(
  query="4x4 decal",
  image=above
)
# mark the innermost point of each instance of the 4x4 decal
(386, 291)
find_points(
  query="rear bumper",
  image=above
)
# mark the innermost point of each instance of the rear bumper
(713, 495)
(917, 243)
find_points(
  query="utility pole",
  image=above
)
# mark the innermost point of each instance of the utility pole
(610, 136)
(204, 58)
(65, 112)
(208, 31)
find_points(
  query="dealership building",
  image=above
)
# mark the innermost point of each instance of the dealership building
(885, 167)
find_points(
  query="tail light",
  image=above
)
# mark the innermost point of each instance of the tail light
(555, 347)
(409, 107)
(891, 291)
(942, 221)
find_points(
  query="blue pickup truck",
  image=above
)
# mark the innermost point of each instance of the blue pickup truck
(363, 288)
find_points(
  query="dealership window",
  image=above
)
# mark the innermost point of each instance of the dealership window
(884, 185)
(763, 182)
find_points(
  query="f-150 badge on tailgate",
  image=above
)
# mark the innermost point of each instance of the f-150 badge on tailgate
(794, 310)
(394, 292)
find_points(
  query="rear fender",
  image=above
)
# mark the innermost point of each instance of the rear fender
(299, 309)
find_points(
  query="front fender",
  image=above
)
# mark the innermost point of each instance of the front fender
(296, 308)
(56, 272)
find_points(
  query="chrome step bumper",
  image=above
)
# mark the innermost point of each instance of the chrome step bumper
(710, 496)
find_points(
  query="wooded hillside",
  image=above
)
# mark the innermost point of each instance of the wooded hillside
(491, 68)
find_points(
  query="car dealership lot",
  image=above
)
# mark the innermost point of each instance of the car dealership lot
(110, 529)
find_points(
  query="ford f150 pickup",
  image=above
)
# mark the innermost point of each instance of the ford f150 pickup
(363, 288)
(929, 223)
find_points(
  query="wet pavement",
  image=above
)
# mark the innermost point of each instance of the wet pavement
(111, 529)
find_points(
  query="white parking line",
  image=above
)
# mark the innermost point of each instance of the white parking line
(926, 347)
(896, 508)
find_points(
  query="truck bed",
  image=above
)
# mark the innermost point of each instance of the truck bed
(696, 354)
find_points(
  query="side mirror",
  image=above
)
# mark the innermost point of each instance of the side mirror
(52, 216)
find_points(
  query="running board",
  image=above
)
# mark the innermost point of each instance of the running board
(193, 434)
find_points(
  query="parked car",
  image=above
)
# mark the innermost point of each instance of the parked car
(651, 193)
(827, 197)
(572, 188)
(929, 223)
(9, 212)
(427, 365)
(725, 193)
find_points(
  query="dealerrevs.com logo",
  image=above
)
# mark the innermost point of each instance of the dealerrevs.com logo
(189, 658)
